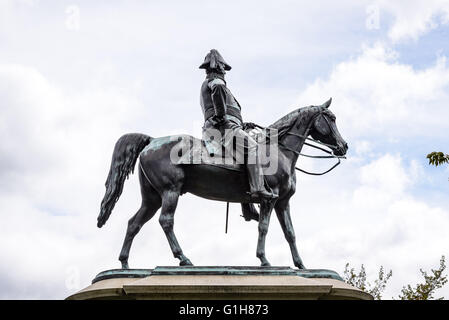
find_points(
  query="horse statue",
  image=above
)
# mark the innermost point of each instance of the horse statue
(162, 181)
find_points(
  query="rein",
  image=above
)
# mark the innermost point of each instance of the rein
(331, 153)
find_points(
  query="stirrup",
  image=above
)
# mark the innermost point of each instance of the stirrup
(260, 195)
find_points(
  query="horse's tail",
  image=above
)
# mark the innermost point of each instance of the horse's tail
(124, 158)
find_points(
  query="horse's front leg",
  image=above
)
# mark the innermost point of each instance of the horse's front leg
(282, 209)
(264, 221)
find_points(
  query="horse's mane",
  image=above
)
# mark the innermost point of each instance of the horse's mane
(284, 124)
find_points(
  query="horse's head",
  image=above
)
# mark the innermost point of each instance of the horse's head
(324, 129)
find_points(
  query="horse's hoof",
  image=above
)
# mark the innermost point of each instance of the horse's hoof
(300, 266)
(186, 263)
(125, 265)
(265, 264)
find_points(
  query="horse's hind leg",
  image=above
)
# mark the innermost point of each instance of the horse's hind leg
(151, 202)
(166, 219)
(144, 214)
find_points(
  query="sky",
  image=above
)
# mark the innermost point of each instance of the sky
(76, 75)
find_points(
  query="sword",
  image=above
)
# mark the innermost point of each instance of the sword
(227, 217)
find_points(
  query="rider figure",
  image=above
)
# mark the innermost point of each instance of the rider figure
(222, 112)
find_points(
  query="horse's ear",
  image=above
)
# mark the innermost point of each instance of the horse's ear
(327, 103)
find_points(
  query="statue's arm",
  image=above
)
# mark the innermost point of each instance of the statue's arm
(218, 94)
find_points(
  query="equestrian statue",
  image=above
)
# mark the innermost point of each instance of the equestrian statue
(163, 179)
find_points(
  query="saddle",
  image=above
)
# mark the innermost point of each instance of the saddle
(213, 153)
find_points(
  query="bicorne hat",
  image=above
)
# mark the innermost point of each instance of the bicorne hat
(214, 60)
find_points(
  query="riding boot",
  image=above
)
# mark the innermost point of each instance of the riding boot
(256, 182)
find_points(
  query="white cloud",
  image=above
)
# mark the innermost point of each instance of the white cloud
(386, 174)
(54, 162)
(374, 94)
(377, 100)
(374, 220)
(363, 147)
(64, 106)
(413, 18)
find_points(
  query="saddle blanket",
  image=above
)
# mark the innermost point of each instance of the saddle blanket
(212, 152)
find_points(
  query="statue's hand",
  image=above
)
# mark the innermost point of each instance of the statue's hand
(219, 121)
(249, 125)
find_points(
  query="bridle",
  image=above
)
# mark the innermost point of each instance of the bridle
(305, 137)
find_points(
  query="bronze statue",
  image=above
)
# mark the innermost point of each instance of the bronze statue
(223, 112)
(163, 180)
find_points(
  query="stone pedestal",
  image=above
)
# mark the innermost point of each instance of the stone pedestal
(219, 283)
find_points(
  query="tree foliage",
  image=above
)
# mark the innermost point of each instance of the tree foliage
(426, 290)
(437, 158)
(358, 279)
(422, 291)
